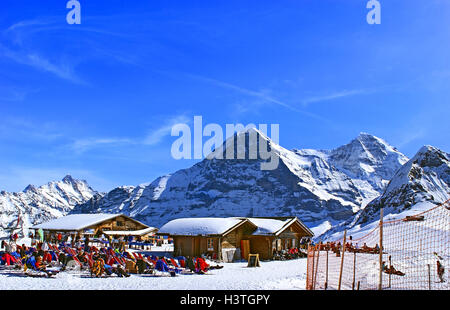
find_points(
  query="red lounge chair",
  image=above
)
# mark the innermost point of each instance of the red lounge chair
(174, 263)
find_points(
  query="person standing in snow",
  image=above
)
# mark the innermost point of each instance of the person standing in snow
(440, 271)
(86, 243)
(440, 268)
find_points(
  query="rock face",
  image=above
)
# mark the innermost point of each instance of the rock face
(316, 186)
(38, 204)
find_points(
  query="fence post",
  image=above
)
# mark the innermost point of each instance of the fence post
(342, 260)
(390, 267)
(308, 267)
(429, 277)
(354, 270)
(326, 272)
(317, 268)
(380, 281)
(312, 266)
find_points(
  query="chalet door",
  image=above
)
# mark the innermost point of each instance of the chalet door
(245, 249)
(197, 247)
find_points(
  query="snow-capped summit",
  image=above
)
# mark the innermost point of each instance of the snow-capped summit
(38, 204)
(30, 188)
(369, 158)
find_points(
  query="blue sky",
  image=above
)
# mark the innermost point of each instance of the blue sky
(97, 100)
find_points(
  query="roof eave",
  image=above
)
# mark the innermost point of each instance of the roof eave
(295, 219)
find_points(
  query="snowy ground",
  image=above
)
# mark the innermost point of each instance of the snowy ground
(273, 275)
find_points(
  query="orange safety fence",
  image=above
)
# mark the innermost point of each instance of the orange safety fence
(415, 256)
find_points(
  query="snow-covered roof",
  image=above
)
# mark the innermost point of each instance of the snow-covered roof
(200, 226)
(269, 226)
(131, 232)
(75, 221)
(219, 226)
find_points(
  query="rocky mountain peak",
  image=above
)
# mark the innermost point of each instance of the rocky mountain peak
(368, 157)
(30, 188)
(429, 156)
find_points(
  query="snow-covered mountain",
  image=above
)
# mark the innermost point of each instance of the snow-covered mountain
(368, 158)
(425, 178)
(420, 184)
(38, 204)
(317, 186)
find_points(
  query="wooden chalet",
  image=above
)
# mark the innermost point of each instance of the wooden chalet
(228, 239)
(91, 224)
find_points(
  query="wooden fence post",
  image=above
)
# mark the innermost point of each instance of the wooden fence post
(342, 260)
(380, 280)
(354, 270)
(326, 272)
(390, 267)
(429, 277)
(312, 267)
(308, 267)
(317, 268)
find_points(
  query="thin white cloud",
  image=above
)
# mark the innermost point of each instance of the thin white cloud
(61, 70)
(83, 145)
(241, 90)
(155, 136)
(21, 129)
(20, 48)
(256, 94)
(335, 95)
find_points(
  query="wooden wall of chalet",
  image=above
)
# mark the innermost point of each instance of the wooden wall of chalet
(261, 245)
(197, 245)
(119, 223)
(193, 245)
(265, 245)
(233, 239)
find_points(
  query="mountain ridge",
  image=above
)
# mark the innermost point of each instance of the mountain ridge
(326, 189)
(38, 204)
(306, 183)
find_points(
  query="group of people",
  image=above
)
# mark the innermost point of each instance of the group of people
(292, 253)
(75, 240)
(349, 247)
(47, 259)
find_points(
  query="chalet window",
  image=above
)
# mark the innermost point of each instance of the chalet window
(119, 223)
(210, 244)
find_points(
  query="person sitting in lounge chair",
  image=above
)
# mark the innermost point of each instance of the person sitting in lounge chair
(162, 267)
(391, 270)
